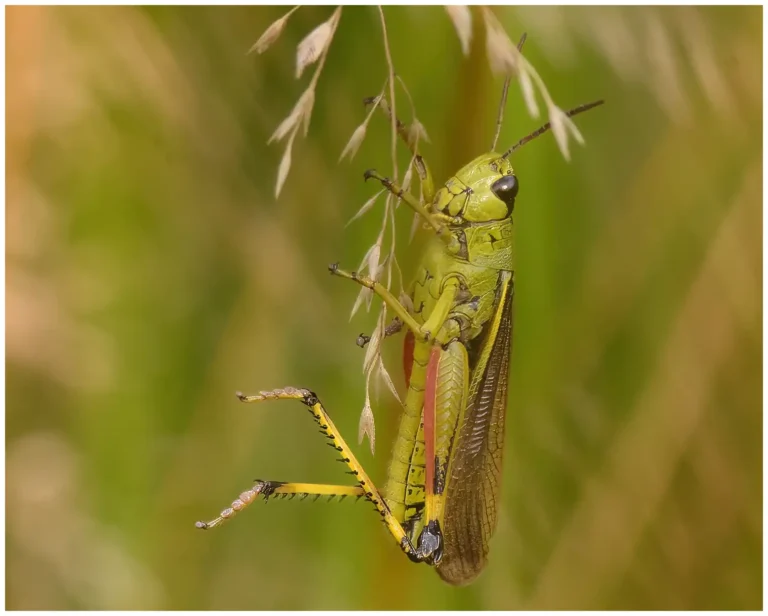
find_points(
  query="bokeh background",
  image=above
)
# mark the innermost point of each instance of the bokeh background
(151, 273)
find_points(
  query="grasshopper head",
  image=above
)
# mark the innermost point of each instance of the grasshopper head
(482, 191)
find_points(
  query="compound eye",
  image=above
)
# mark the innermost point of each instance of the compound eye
(505, 188)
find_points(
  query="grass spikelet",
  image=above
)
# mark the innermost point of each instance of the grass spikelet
(272, 33)
(315, 43)
(461, 16)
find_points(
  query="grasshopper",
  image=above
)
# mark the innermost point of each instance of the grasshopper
(441, 497)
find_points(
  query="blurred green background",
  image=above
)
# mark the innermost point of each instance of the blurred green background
(151, 273)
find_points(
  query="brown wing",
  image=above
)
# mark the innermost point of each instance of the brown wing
(475, 468)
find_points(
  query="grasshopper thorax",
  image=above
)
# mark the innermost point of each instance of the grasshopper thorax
(482, 191)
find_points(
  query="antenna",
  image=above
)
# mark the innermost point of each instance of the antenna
(540, 131)
(503, 102)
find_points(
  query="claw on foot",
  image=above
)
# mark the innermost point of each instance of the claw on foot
(245, 499)
(369, 173)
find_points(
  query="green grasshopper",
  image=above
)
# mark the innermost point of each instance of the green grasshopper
(441, 498)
